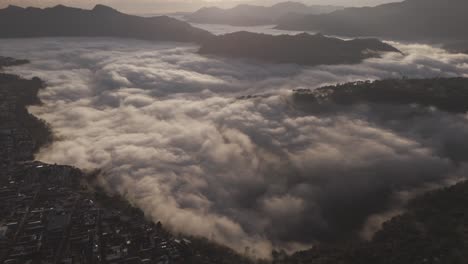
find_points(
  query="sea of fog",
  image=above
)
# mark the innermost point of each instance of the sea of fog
(170, 133)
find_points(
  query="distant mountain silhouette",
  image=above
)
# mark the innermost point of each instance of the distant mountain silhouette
(103, 21)
(252, 15)
(300, 49)
(425, 20)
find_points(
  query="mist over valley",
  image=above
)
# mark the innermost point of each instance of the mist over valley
(273, 143)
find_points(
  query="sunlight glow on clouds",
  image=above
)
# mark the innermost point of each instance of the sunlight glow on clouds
(167, 128)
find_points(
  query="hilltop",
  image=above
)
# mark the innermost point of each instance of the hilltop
(303, 48)
(432, 230)
(101, 21)
(446, 94)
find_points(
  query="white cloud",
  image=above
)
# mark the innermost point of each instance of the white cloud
(166, 127)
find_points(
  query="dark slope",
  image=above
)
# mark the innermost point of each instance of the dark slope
(446, 94)
(424, 20)
(22, 133)
(300, 49)
(252, 15)
(434, 227)
(102, 21)
(433, 230)
(7, 62)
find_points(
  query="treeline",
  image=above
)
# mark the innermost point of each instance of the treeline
(304, 49)
(447, 94)
(7, 62)
(22, 93)
(433, 230)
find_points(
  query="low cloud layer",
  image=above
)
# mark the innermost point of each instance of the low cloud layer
(166, 126)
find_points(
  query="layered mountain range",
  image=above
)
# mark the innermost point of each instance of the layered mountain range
(103, 21)
(253, 15)
(412, 20)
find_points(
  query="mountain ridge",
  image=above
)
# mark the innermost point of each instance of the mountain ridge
(411, 20)
(104, 21)
(302, 49)
(255, 15)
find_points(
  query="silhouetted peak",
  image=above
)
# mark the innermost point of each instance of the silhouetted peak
(60, 20)
(60, 7)
(104, 9)
(303, 35)
(13, 7)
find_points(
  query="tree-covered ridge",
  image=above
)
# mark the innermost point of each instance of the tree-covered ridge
(447, 94)
(7, 62)
(16, 94)
(302, 49)
(433, 230)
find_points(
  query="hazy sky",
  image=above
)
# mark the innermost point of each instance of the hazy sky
(160, 6)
